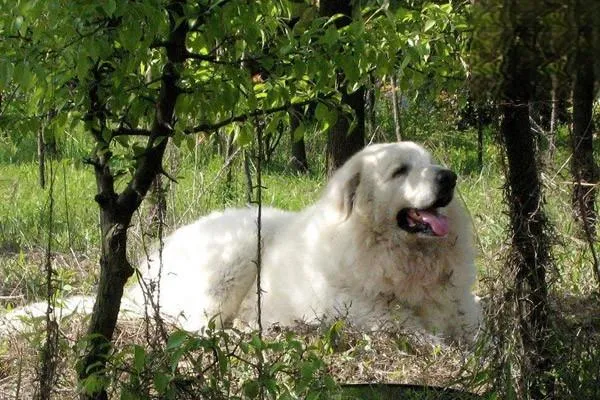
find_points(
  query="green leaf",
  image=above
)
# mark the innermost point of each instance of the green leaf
(6, 73)
(161, 382)
(93, 384)
(23, 76)
(325, 116)
(82, 66)
(331, 36)
(257, 342)
(130, 36)
(272, 386)
(430, 23)
(447, 8)
(321, 112)
(251, 389)
(299, 131)
(176, 339)
(243, 134)
(350, 68)
(109, 6)
(139, 358)
(18, 23)
(128, 394)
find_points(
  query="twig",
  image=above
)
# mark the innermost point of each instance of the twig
(252, 114)
(583, 210)
(48, 356)
(259, 138)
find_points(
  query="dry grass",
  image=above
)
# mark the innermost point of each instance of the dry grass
(351, 357)
(357, 356)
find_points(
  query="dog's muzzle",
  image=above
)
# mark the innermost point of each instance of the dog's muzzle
(429, 221)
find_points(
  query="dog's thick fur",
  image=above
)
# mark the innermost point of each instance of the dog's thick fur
(353, 254)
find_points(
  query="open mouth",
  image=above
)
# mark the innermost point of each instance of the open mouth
(427, 221)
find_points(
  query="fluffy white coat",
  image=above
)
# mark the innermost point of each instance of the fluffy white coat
(345, 256)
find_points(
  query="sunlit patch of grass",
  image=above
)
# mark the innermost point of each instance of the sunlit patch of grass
(203, 184)
(25, 208)
(63, 215)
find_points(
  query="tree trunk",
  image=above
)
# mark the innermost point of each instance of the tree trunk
(479, 112)
(540, 111)
(116, 210)
(530, 244)
(583, 167)
(396, 108)
(158, 206)
(114, 272)
(248, 175)
(553, 117)
(41, 150)
(342, 143)
(229, 151)
(298, 161)
(554, 111)
(370, 111)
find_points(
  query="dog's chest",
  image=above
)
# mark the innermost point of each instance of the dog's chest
(410, 276)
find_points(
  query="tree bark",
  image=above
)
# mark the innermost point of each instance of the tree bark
(530, 243)
(396, 108)
(41, 150)
(342, 142)
(554, 112)
(229, 151)
(371, 111)
(583, 167)
(158, 206)
(479, 112)
(116, 210)
(298, 161)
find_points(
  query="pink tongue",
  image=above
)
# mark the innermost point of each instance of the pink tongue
(438, 223)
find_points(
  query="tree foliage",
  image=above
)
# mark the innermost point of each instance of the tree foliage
(50, 47)
(137, 75)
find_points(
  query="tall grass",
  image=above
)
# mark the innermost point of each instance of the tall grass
(202, 185)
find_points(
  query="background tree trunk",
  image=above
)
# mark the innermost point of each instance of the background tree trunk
(396, 108)
(116, 210)
(370, 111)
(479, 112)
(298, 161)
(530, 244)
(41, 153)
(157, 206)
(583, 167)
(342, 142)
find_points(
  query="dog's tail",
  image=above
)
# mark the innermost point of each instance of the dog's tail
(28, 318)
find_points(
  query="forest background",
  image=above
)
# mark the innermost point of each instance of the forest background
(121, 120)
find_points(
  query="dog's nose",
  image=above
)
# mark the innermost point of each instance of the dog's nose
(446, 179)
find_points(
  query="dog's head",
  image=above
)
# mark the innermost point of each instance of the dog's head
(395, 186)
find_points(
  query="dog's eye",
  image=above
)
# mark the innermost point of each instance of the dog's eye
(400, 171)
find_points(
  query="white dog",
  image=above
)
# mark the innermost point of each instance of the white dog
(387, 245)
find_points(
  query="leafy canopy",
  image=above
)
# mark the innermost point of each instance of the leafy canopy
(243, 59)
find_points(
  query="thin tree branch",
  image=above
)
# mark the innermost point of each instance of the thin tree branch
(127, 131)
(210, 128)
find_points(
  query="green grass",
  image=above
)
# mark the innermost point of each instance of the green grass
(202, 186)
(25, 208)
(66, 212)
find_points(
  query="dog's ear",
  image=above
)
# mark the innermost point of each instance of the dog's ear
(342, 188)
(350, 194)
